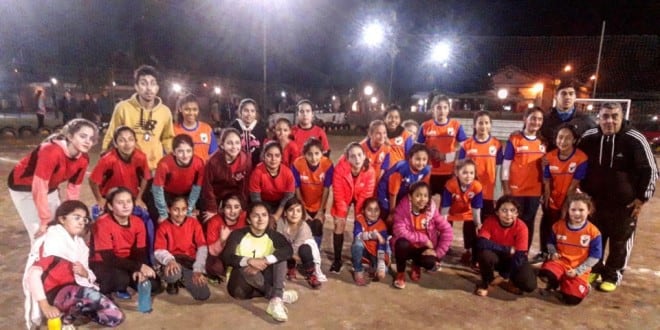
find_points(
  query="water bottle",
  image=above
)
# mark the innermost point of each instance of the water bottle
(55, 324)
(144, 297)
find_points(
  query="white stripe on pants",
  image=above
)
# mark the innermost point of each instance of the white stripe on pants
(28, 211)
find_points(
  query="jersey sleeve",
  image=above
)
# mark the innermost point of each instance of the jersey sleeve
(477, 200)
(509, 151)
(161, 173)
(499, 158)
(324, 140)
(296, 176)
(213, 147)
(255, 182)
(213, 230)
(421, 138)
(327, 181)
(580, 171)
(460, 136)
(99, 171)
(461, 153)
(446, 198)
(408, 144)
(386, 163)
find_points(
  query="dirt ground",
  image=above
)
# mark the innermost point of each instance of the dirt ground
(439, 300)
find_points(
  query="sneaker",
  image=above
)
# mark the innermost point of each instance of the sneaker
(481, 292)
(415, 273)
(319, 274)
(123, 295)
(359, 279)
(68, 327)
(289, 296)
(291, 274)
(400, 281)
(172, 288)
(336, 267)
(510, 287)
(277, 310)
(538, 258)
(607, 286)
(380, 275)
(313, 281)
(593, 277)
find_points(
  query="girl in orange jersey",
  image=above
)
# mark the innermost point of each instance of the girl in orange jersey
(400, 140)
(462, 200)
(187, 123)
(313, 174)
(486, 152)
(370, 240)
(376, 148)
(290, 150)
(521, 168)
(574, 248)
(564, 168)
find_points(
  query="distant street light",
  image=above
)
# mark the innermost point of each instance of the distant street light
(440, 52)
(334, 97)
(114, 84)
(283, 94)
(177, 88)
(420, 102)
(530, 105)
(593, 77)
(568, 68)
(537, 88)
(53, 81)
(368, 90)
(502, 93)
(217, 90)
(373, 34)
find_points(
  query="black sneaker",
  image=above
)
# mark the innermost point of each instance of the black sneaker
(172, 288)
(335, 267)
(539, 258)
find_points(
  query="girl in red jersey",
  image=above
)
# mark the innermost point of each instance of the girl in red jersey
(178, 174)
(400, 140)
(486, 152)
(290, 151)
(305, 251)
(202, 134)
(441, 135)
(231, 216)
(462, 200)
(353, 182)
(575, 247)
(306, 129)
(313, 174)
(521, 168)
(181, 250)
(119, 247)
(376, 148)
(226, 173)
(58, 281)
(253, 132)
(369, 242)
(421, 234)
(34, 182)
(564, 168)
(271, 182)
(502, 246)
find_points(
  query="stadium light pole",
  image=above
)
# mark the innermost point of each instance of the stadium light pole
(373, 36)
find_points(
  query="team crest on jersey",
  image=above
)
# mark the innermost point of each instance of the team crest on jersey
(542, 148)
(238, 176)
(571, 167)
(470, 194)
(398, 140)
(204, 137)
(584, 240)
(492, 150)
(381, 157)
(425, 223)
(450, 131)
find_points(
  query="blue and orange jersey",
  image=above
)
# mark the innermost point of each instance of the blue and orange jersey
(379, 159)
(113, 171)
(576, 245)
(487, 155)
(271, 188)
(178, 180)
(312, 181)
(561, 172)
(362, 225)
(525, 154)
(400, 145)
(203, 138)
(461, 202)
(396, 181)
(442, 138)
(301, 135)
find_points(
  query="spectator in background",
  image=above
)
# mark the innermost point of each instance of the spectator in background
(89, 110)
(105, 106)
(67, 106)
(40, 100)
(565, 112)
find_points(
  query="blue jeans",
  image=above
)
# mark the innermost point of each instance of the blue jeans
(358, 251)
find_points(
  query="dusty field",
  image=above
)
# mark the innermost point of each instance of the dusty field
(443, 299)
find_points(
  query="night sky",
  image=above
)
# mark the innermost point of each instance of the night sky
(312, 43)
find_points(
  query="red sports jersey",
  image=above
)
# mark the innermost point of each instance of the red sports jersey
(113, 171)
(487, 155)
(443, 139)
(398, 147)
(379, 226)
(290, 153)
(202, 136)
(179, 180)
(48, 162)
(514, 235)
(107, 234)
(57, 272)
(575, 246)
(379, 159)
(182, 239)
(312, 183)
(562, 172)
(217, 222)
(301, 135)
(272, 189)
(461, 202)
(525, 177)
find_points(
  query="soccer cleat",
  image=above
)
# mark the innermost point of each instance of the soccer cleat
(289, 296)
(123, 295)
(335, 267)
(415, 273)
(400, 281)
(172, 288)
(593, 277)
(359, 279)
(319, 273)
(607, 286)
(291, 274)
(481, 292)
(277, 310)
(313, 281)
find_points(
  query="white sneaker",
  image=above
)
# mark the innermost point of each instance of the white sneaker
(289, 296)
(68, 327)
(319, 274)
(277, 310)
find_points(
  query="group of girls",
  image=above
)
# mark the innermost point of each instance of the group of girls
(197, 205)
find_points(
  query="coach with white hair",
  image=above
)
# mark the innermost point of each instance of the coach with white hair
(621, 178)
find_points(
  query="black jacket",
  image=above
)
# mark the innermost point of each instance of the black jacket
(621, 167)
(580, 121)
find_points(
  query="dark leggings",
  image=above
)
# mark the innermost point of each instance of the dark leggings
(111, 279)
(469, 234)
(316, 226)
(306, 257)
(40, 120)
(438, 182)
(269, 283)
(529, 205)
(405, 251)
(489, 261)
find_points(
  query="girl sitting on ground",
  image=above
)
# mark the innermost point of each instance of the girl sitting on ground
(370, 243)
(230, 217)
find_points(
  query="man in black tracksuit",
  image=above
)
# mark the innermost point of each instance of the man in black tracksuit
(620, 178)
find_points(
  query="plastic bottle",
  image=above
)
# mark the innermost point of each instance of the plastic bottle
(55, 324)
(144, 297)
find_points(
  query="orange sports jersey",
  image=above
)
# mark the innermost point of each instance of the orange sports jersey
(487, 155)
(361, 225)
(561, 172)
(442, 138)
(420, 222)
(379, 159)
(576, 245)
(461, 203)
(312, 182)
(525, 177)
(203, 138)
(399, 145)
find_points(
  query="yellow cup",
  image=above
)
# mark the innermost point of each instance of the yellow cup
(55, 324)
